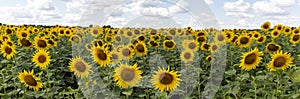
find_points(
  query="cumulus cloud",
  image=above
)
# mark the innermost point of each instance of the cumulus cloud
(269, 8)
(209, 2)
(179, 7)
(238, 6)
(283, 3)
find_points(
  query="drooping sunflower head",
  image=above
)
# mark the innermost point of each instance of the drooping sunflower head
(266, 26)
(26, 43)
(205, 46)
(30, 80)
(250, 60)
(280, 60)
(8, 51)
(169, 44)
(201, 39)
(101, 56)
(127, 76)
(153, 43)
(41, 59)
(272, 47)
(140, 49)
(187, 56)
(79, 67)
(165, 80)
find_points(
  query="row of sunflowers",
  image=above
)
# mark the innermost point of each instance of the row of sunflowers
(76, 62)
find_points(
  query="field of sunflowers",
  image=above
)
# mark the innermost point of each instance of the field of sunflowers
(130, 63)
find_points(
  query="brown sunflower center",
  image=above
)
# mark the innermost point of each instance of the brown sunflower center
(114, 56)
(169, 44)
(95, 32)
(142, 38)
(126, 52)
(296, 37)
(80, 66)
(25, 42)
(279, 62)
(296, 31)
(24, 34)
(187, 55)
(140, 48)
(250, 59)
(256, 35)
(206, 46)
(214, 47)
(29, 80)
(220, 37)
(118, 38)
(127, 74)
(129, 33)
(166, 78)
(201, 39)
(192, 45)
(8, 50)
(273, 47)
(42, 58)
(275, 33)
(287, 30)
(260, 39)
(101, 54)
(265, 26)
(42, 43)
(244, 40)
(172, 32)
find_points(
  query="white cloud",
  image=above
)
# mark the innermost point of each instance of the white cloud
(299, 2)
(283, 3)
(238, 6)
(179, 7)
(268, 8)
(238, 14)
(156, 11)
(209, 2)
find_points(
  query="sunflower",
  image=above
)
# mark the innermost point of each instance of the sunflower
(275, 33)
(256, 35)
(30, 80)
(75, 39)
(155, 37)
(115, 56)
(126, 52)
(140, 49)
(287, 30)
(169, 44)
(40, 43)
(266, 26)
(61, 32)
(261, 39)
(214, 47)
(68, 32)
(187, 56)
(172, 32)
(201, 39)
(219, 37)
(296, 30)
(101, 56)
(244, 41)
(295, 38)
(272, 47)
(95, 31)
(51, 43)
(190, 45)
(98, 43)
(280, 60)
(88, 47)
(118, 39)
(205, 47)
(165, 80)
(79, 67)
(41, 58)
(4, 37)
(250, 60)
(8, 51)
(278, 27)
(127, 76)
(208, 58)
(23, 34)
(153, 43)
(25, 43)
(129, 34)
(228, 36)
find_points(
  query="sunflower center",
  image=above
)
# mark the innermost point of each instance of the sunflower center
(101, 55)
(140, 48)
(80, 66)
(187, 55)
(24, 34)
(206, 46)
(142, 38)
(129, 33)
(127, 74)
(8, 50)
(287, 30)
(126, 52)
(296, 37)
(201, 39)
(172, 32)
(114, 56)
(8, 31)
(166, 78)
(50, 42)
(275, 33)
(220, 37)
(200, 34)
(244, 40)
(273, 47)
(136, 32)
(279, 28)
(250, 59)
(256, 35)
(260, 39)
(42, 58)
(296, 31)
(279, 62)
(29, 80)
(265, 26)
(118, 38)
(214, 47)
(95, 32)
(42, 43)
(169, 44)
(192, 45)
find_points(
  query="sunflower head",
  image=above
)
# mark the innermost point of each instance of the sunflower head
(187, 56)
(79, 67)
(244, 41)
(25, 43)
(295, 38)
(280, 60)
(266, 26)
(8, 51)
(127, 76)
(272, 47)
(126, 52)
(275, 33)
(41, 43)
(30, 80)
(165, 80)
(251, 59)
(102, 56)
(153, 43)
(140, 49)
(261, 39)
(41, 58)
(169, 44)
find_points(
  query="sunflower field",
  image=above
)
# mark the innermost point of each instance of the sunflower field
(145, 63)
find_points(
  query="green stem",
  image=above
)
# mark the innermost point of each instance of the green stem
(278, 85)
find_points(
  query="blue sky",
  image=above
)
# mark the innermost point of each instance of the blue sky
(152, 13)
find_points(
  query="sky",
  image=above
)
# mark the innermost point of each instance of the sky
(247, 14)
